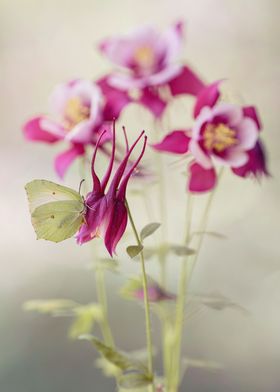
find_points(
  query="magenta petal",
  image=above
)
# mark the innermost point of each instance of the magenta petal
(176, 142)
(33, 131)
(64, 160)
(250, 111)
(152, 101)
(116, 226)
(187, 82)
(201, 180)
(256, 164)
(207, 97)
(115, 100)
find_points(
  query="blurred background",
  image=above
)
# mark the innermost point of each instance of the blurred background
(45, 42)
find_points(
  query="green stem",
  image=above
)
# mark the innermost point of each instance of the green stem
(102, 299)
(180, 309)
(186, 273)
(146, 298)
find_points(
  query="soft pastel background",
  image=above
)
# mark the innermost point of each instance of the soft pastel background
(45, 42)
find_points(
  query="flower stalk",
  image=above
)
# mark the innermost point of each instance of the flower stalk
(146, 298)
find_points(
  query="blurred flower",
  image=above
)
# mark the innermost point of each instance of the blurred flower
(79, 114)
(106, 212)
(224, 133)
(149, 61)
(133, 289)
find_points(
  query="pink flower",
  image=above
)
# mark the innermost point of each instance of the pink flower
(133, 289)
(222, 133)
(148, 60)
(78, 115)
(106, 211)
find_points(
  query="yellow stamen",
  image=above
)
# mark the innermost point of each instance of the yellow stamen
(144, 56)
(219, 137)
(75, 112)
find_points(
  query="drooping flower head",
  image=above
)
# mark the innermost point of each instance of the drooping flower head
(79, 111)
(222, 133)
(146, 60)
(106, 211)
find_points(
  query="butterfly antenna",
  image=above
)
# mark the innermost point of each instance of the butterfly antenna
(80, 186)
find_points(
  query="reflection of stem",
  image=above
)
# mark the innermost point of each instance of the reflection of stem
(146, 298)
(187, 269)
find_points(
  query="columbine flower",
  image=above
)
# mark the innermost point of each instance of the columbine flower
(79, 112)
(149, 60)
(133, 289)
(224, 133)
(106, 211)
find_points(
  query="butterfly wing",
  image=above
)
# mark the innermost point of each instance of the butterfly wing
(40, 192)
(58, 220)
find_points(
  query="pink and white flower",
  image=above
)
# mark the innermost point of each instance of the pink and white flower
(147, 60)
(222, 133)
(79, 112)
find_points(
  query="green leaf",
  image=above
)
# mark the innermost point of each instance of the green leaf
(115, 357)
(104, 264)
(108, 368)
(134, 250)
(135, 380)
(180, 250)
(50, 306)
(85, 319)
(149, 230)
(211, 234)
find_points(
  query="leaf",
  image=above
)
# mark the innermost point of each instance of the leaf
(135, 380)
(134, 250)
(181, 250)
(211, 234)
(202, 364)
(149, 230)
(108, 368)
(118, 359)
(50, 306)
(85, 319)
(104, 264)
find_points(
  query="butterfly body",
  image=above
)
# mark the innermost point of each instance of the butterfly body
(57, 212)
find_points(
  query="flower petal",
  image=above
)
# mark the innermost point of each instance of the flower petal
(200, 156)
(176, 142)
(33, 130)
(116, 226)
(152, 101)
(64, 160)
(201, 180)
(247, 133)
(251, 112)
(256, 164)
(207, 97)
(115, 100)
(187, 82)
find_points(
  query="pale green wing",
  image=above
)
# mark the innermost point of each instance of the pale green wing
(40, 192)
(59, 220)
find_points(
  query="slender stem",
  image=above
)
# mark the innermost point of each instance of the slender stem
(146, 298)
(181, 303)
(102, 299)
(186, 273)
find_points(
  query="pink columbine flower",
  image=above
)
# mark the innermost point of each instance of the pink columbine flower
(78, 114)
(106, 211)
(148, 60)
(222, 133)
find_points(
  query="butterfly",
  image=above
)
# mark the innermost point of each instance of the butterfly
(57, 212)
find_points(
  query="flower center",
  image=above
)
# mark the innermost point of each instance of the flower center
(144, 56)
(75, 112)
(219, 137)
